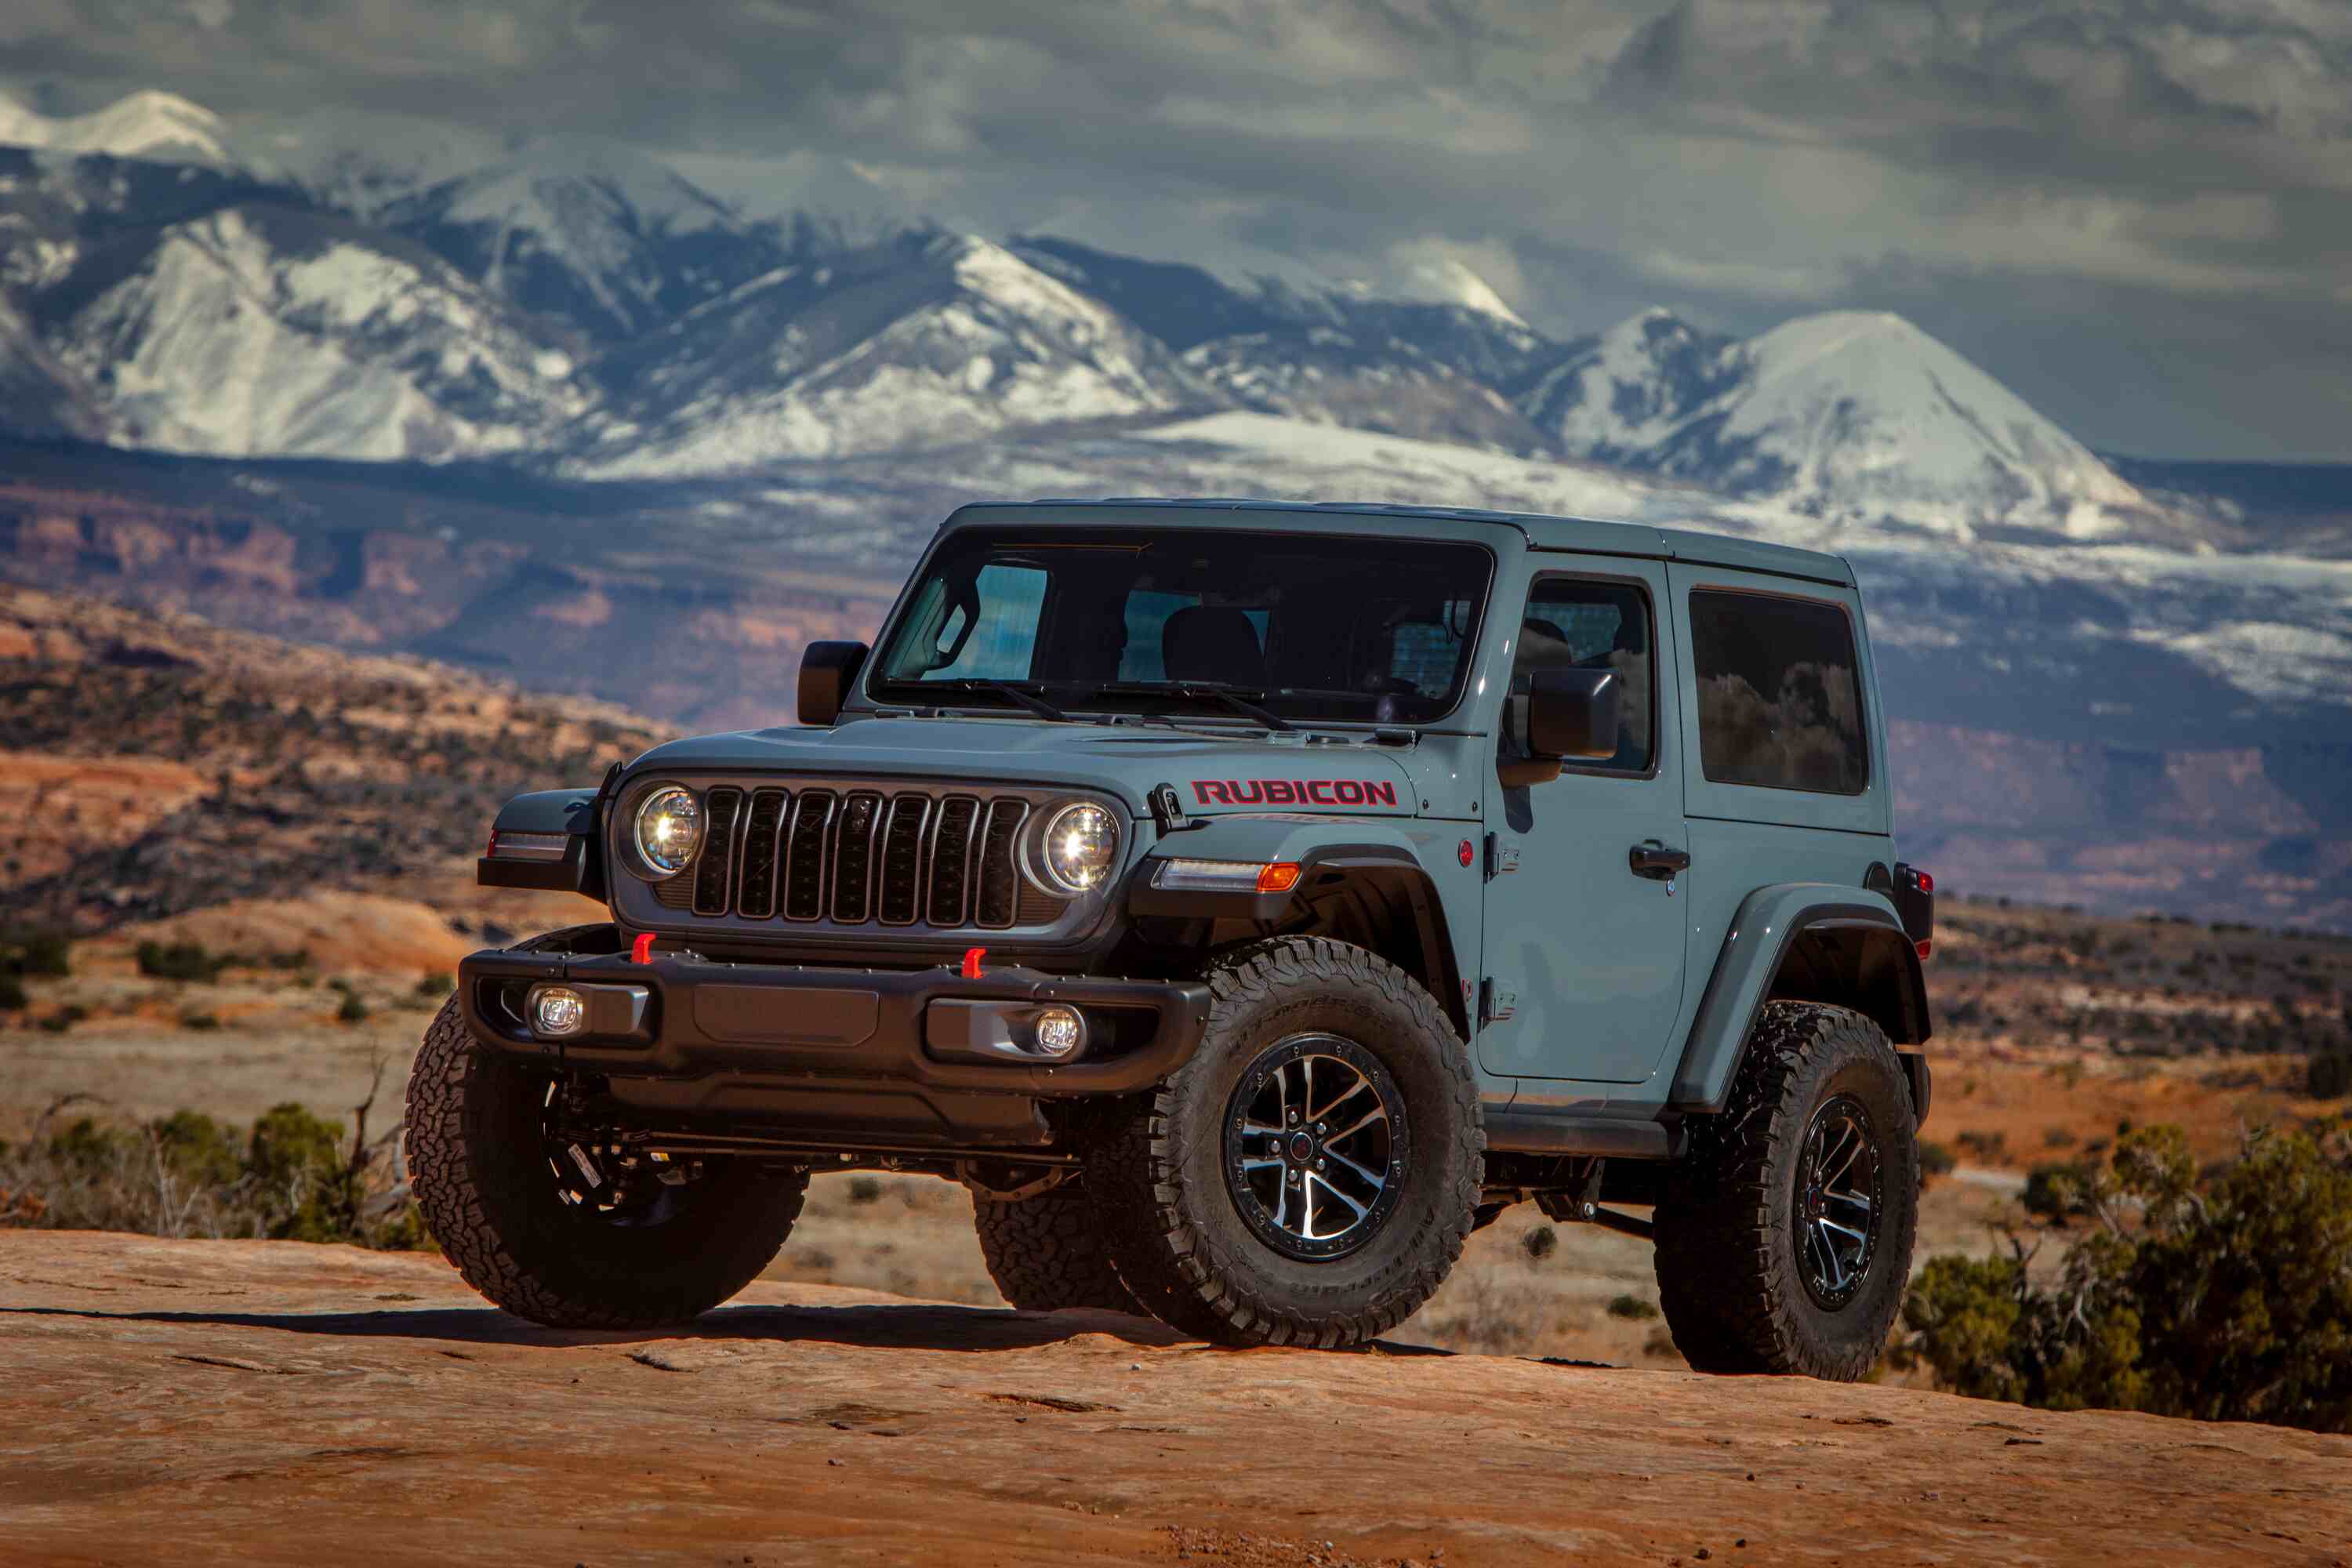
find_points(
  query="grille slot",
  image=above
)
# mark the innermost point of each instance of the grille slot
(852, 859)
(951, 845)
(755, 885)
(999, 879)
(902, 859)
(805, 856)
(862, 857)
(713, 872)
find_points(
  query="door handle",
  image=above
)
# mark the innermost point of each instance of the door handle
(1657, 861)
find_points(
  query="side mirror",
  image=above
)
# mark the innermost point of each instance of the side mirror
(828, 672)
(1572, 714)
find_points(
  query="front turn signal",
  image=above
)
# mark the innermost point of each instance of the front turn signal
(1278, 878)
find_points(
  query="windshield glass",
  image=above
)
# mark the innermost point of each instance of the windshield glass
(1303, 625)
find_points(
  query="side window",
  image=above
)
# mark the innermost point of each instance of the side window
(1597, 625)
(1002, 639)
(1780, 699)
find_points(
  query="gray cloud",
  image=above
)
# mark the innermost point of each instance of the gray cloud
(2134, 211)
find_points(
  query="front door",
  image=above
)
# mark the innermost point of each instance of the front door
(1583, 950)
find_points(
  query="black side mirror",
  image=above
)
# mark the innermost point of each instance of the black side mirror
(828, 673)
(1572, 714)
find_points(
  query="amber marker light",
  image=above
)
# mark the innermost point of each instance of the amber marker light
(1278, 878)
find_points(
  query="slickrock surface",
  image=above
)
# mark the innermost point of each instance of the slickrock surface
(268, 1402)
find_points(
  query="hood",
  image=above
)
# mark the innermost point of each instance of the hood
(1211, 773)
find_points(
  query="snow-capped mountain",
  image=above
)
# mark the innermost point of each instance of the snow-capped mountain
(923, 342)
(159, 127)
(1848, 416)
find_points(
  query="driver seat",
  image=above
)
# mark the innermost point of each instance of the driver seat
(1212, 642)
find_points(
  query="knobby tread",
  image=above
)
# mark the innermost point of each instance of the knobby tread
(1227, 1288)
(479, 1175)
(1725, 1258)
(1045, 1252)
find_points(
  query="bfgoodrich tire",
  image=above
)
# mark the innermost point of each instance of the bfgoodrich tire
(480, 1166)
(1308, 1176)
(1046, 1253)
(1785, 1234)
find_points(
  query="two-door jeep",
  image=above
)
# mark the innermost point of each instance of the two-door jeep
(1245, 902)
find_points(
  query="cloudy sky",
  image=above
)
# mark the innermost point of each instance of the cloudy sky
(2138, 212)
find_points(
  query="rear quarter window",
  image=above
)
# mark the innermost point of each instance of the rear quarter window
(1779, 693)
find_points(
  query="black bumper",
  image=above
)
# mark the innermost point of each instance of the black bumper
(769, 1028)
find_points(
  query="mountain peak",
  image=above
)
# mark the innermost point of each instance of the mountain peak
(150, 125)
(1450, 280)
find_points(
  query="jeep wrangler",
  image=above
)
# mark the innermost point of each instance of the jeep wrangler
(1244, 902)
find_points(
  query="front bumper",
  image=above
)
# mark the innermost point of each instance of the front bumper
(862, 1055)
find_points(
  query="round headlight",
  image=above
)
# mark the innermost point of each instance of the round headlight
(1080, 844)
(669, 830)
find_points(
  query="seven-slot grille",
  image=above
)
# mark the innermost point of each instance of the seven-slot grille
(859, 856)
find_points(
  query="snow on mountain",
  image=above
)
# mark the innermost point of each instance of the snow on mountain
(613, 241)
(1450, 280)
(250, 332)
(1849, 416)
(156, 127)
(919, 343)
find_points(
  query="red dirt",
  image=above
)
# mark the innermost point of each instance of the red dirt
(271, 1402)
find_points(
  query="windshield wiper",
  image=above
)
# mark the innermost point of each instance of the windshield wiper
(1010, 692)
(1235, 697)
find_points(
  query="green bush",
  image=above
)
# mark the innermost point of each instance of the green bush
(2224, 1296)
(353, 1010)
(1632, 1307)
(2055, 1194)
(179, 961)
(1538, 1242)
(435, 985)
(294, 1176)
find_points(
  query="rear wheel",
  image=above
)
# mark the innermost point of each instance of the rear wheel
(1046, 1253)
(1785, 1235)
(561, 1230)
(1308, 1176)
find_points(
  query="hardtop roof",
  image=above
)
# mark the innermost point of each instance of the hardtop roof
(1584, 535)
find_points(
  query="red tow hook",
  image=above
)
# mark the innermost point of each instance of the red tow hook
(642, 949)
(971, 957)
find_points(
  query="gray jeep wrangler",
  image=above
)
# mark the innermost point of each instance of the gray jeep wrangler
(1245, 902)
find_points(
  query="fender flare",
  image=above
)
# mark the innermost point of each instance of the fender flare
(1322, 848)
(570, 812)
(1768, 928)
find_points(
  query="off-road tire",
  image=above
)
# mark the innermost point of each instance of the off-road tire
(1154, 1169)
(1045, 1252)
(1729, 1275)
(480, 1172)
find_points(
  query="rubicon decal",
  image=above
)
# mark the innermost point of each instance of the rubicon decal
(1292, 792)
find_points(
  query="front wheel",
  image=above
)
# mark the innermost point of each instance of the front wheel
(567, 1234)
(1309, 1176)
(1784, 1238)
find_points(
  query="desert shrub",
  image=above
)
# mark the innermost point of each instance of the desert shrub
(866, 1189)
(1987, 1147)
(13, 998)
(42, 954)
(64, 1017)
(435, 985)
(1632, 1307)
(2329, 1074)
(294, 1176)
(200, 1021)
(178, 960)
(1538, 1242)
(2224, 1295)
(352, 1009)
(1937, 1159)
(2055, 1194)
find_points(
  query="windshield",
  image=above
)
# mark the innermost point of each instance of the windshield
(1298, 626)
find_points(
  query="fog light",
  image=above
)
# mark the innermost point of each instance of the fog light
(1059, 1031)
(557, 1011)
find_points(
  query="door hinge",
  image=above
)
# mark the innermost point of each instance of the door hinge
(1496, 1006)
(1502, 859)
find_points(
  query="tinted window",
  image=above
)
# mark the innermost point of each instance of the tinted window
(1594, 625)
(1314, 626)
(1780, 704)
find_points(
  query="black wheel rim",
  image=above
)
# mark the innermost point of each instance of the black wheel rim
(603, 1182)
(1839, 1200)
(1314, 1146)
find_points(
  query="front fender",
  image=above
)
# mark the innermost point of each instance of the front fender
(1888, 984)
(1316, 844)
(546, 839)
